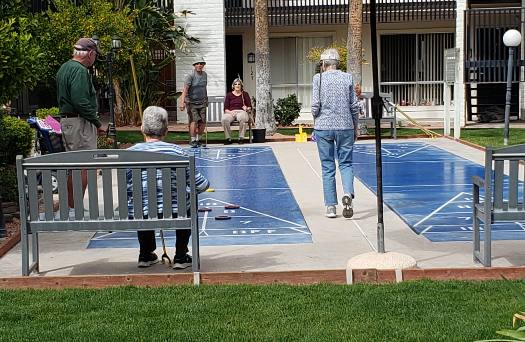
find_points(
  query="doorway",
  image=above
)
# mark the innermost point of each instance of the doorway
(234, 59)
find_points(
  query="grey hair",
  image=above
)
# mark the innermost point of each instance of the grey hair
(330, 63)
(237, 80)
(80, 53)
(155, 121)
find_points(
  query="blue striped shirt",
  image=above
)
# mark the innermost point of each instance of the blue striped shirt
(336, 108)
(201, 183)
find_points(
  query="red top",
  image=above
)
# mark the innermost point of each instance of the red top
(234, 102)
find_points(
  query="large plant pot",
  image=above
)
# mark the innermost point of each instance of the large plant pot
(259, 135)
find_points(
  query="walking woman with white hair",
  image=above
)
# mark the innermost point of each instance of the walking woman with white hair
(335, 110)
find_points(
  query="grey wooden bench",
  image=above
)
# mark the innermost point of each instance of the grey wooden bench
(388, 114)
(503, 200)
(216, 110)
(37, 214)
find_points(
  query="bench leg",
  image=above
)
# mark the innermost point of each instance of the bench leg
(36, 257)
(487, 244)
(25, 252)
(475, 237)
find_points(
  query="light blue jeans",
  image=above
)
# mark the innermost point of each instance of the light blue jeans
(332, 143)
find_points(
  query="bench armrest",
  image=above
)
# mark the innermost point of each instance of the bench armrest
(478, 181)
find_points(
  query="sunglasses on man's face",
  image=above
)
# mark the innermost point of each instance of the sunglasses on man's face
(200, 63)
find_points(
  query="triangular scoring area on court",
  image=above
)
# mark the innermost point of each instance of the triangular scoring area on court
(454, 218)
(246, 226)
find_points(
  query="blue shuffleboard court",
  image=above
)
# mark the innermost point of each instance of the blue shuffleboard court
(249, 177)
(430, 189)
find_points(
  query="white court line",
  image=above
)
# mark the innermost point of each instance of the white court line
(425, 230)
(427, 185)
(256, 212)
(218, 153)
(234, 157)
(413, 151)
(204, 221)
(308, 162)
(354, 221)
(438, 209)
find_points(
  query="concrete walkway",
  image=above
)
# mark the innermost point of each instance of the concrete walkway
(334, 240)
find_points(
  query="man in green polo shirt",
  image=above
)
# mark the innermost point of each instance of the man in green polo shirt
(77, 101)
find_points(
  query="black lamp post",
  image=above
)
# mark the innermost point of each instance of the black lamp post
(377, 113)
(116, 44)
(512, 39)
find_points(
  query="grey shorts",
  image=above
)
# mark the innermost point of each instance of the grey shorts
(196, 113)
(78, 134)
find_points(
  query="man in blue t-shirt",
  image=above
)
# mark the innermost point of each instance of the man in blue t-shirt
(154, 128)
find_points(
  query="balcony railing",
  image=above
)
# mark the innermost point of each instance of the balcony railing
(306, 12)
(486, 55)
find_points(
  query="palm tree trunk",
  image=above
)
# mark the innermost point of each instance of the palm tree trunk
(354, 40)
(120, 120)
(264, 104)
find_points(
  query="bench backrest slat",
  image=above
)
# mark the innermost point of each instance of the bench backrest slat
(62, 194)
(136, 179)
(181, 193)
(93, 194)
(152, 192)
(498, 184)
(77, 194)
(47, 190)
(166, 193)
(215, 108)
(122, 194)
(33, 195)
(513, 184)
(107, 190)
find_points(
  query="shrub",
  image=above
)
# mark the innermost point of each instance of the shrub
(43, 113)
(104, 142)
(287, 110)
(16, 137)
(8, 184)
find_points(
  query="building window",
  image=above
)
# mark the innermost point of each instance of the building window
(412, 67)
(292, 72)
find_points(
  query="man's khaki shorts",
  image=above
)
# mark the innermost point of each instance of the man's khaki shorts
(78, 134)
(196, 113)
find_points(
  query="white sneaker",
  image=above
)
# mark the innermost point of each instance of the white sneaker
(331, 211)
(348, 207)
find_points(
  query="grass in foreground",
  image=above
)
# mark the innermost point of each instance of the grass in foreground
(411, 311)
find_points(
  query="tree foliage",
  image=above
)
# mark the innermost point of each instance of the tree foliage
(21, 58)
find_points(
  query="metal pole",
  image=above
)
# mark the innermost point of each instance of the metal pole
(508, 97)
(112, 131)
(377, 113)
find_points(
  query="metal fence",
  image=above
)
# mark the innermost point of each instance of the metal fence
(305, 12)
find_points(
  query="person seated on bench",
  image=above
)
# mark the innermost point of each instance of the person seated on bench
(237, 104)
(154, 128)
(361, 102)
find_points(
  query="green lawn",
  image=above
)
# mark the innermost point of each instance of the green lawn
(410, 311)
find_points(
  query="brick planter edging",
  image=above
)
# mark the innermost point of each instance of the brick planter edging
(10, 242)
(260, 278)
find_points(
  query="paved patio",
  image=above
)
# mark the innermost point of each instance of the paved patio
(335, 241)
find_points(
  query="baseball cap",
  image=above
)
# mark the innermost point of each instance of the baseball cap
(86, 44)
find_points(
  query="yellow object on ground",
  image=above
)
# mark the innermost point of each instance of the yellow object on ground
(302, 136)
(210, 190)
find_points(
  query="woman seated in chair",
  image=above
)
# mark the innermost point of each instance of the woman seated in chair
(237, 106)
